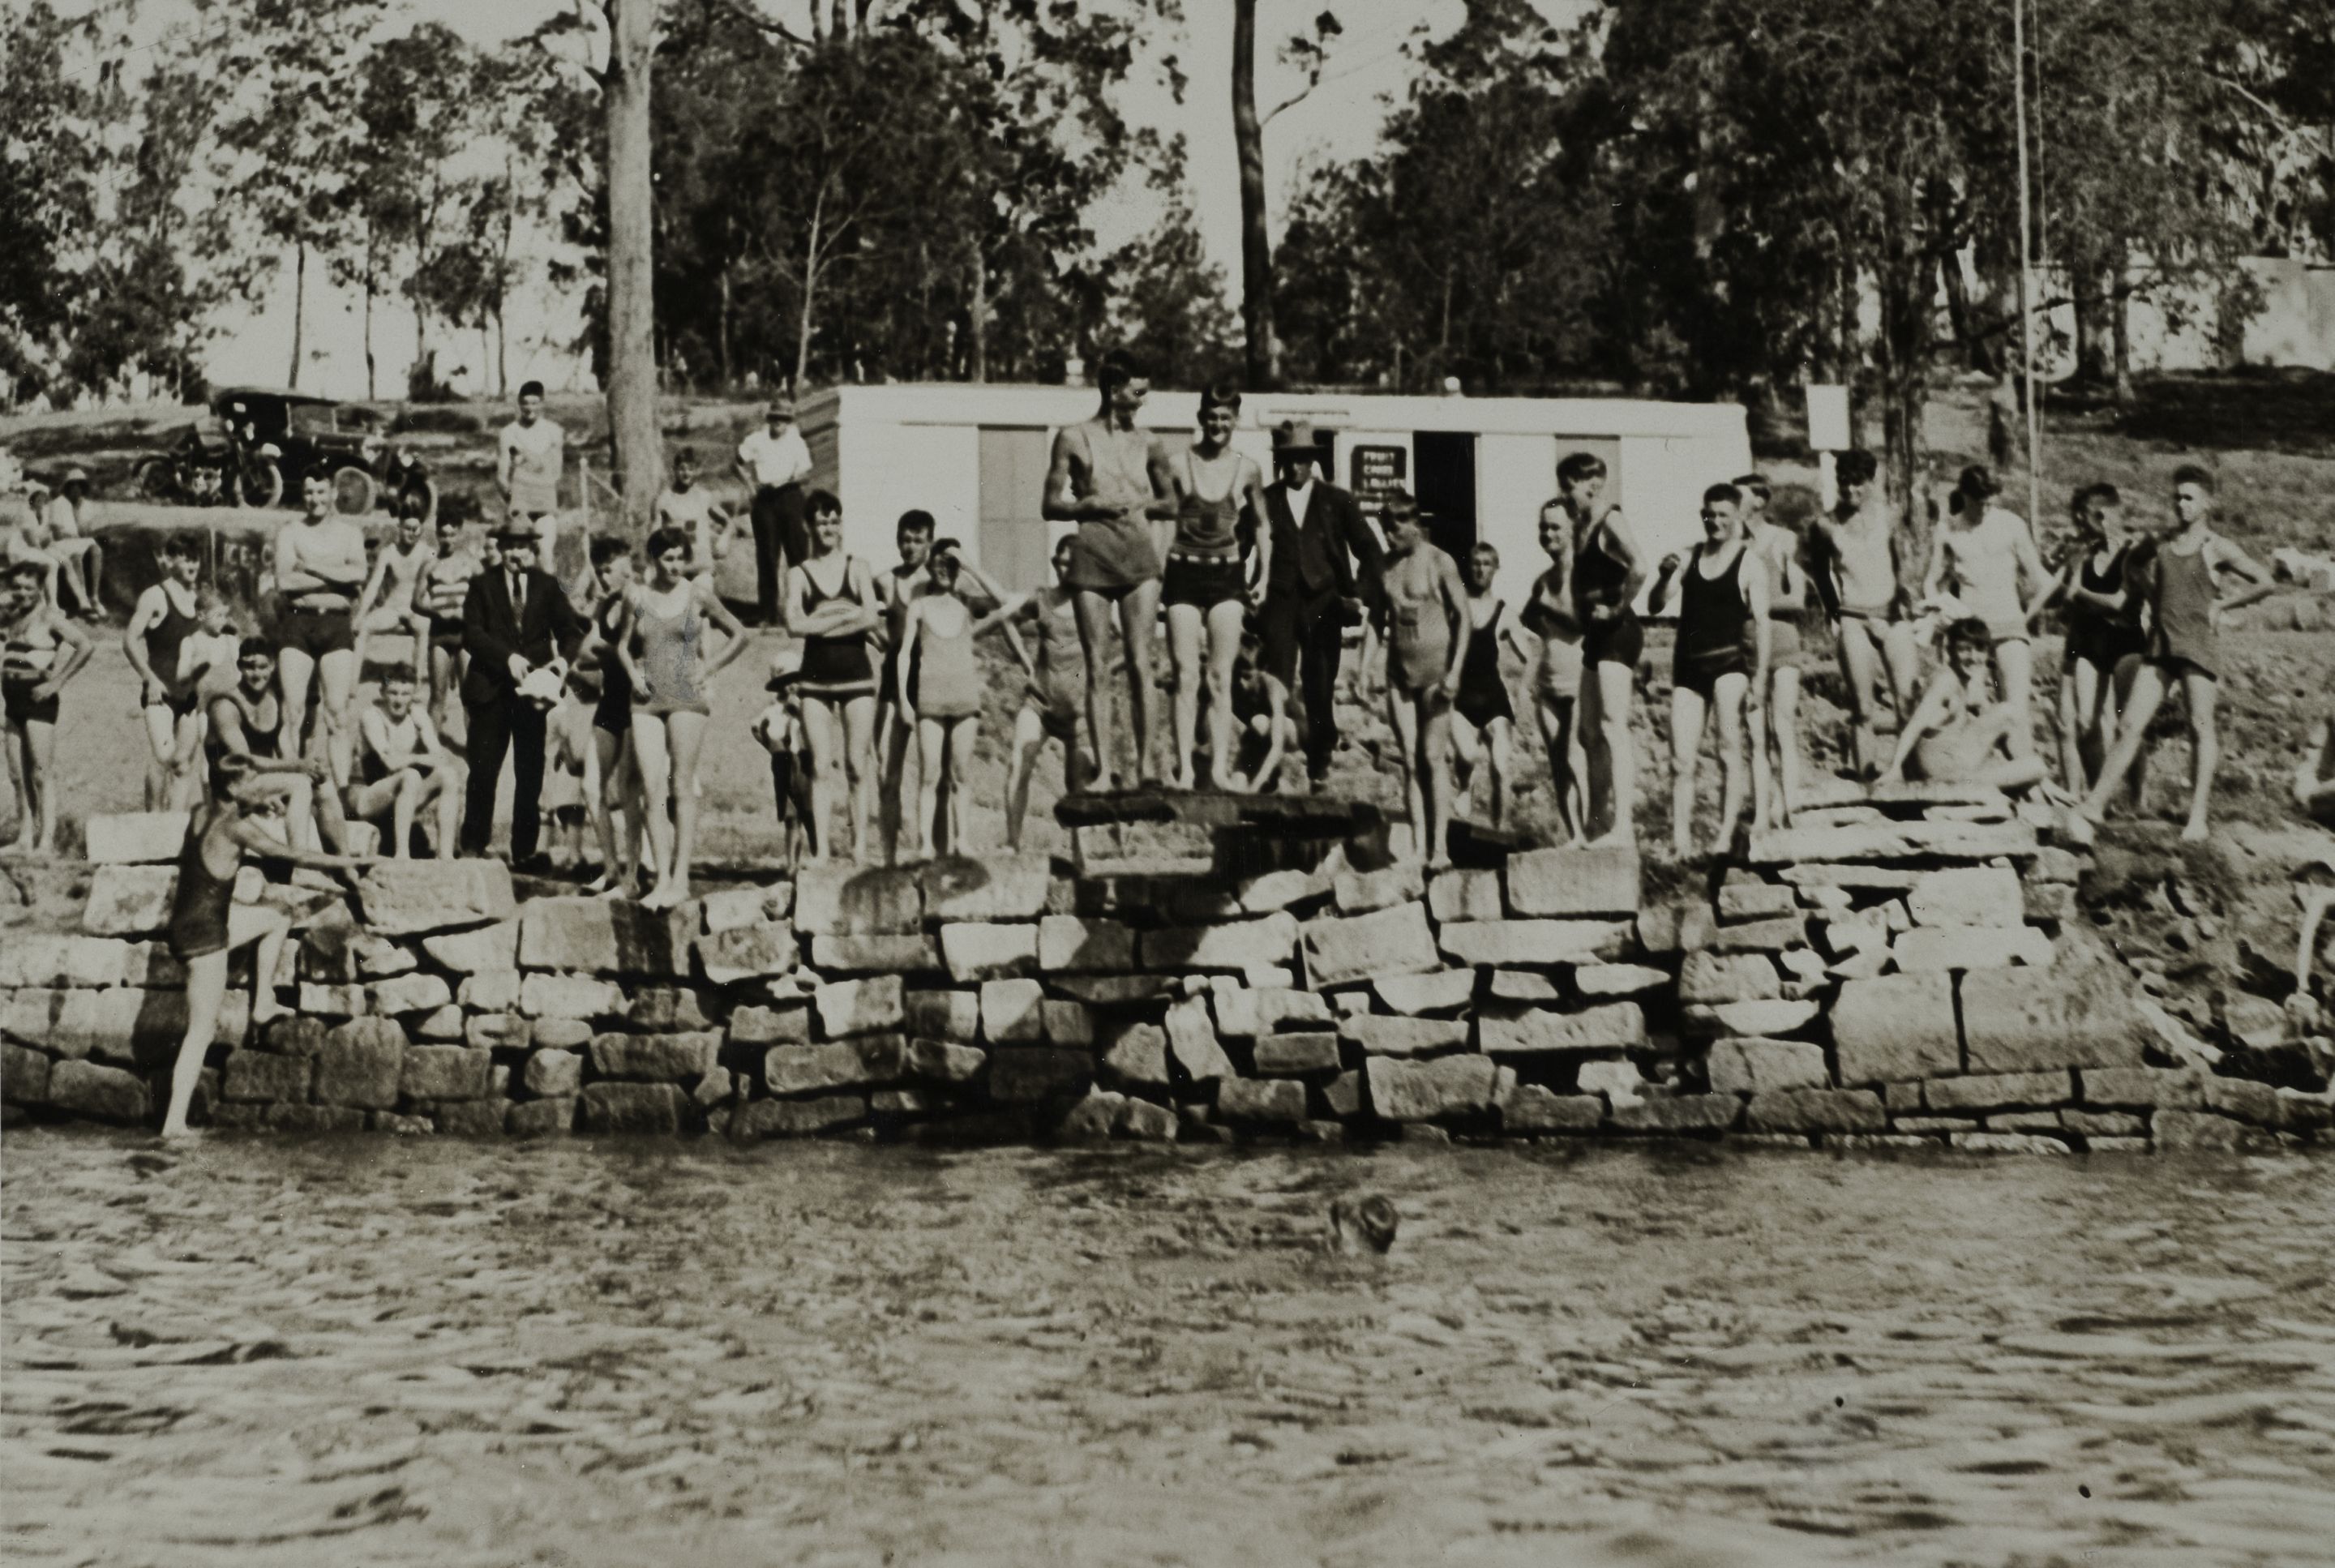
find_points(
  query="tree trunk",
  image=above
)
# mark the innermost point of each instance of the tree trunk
(722, 335)
(977, 322)
(809, 294)
(299, 306)
(1968, 329)
(1904, 281)
(2120, 325)
(1263, 349)
(372, 383)
(632, 322)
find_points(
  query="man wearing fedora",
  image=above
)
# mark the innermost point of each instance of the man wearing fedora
(1324, 558)
(774, 462)
(516, 620)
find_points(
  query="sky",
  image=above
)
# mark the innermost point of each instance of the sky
(1340, 120)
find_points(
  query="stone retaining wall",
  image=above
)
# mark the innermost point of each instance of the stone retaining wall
(1902, 971)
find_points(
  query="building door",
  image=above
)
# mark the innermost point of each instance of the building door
(1013, 531)
(1445, 463)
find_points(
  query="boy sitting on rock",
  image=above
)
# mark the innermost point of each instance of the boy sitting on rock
(1957, 733)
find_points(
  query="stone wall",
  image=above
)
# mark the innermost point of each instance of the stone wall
(1909, 970)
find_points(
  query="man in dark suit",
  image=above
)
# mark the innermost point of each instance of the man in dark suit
(1325, 561)
(515, 620)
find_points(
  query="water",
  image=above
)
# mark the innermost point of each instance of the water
(273, 1352)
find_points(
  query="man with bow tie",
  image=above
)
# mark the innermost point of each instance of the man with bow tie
(1324, 560)
(516, 619)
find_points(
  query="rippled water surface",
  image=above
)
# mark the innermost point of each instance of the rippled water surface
(268, 1352)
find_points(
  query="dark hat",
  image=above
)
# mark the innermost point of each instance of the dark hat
(1291, 438)
(786, 667)
(517, 528)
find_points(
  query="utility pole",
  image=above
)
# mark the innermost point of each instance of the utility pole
(2026, 267)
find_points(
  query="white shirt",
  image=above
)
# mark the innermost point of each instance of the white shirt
(1300, 497)
(776, 459)
(533, 455)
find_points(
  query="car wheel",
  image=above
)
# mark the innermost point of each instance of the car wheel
(353, 492)
(259, 482)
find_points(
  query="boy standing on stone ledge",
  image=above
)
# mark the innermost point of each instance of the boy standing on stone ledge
(1426, 626)
(2184, 635)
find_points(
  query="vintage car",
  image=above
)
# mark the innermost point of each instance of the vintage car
(278, 437)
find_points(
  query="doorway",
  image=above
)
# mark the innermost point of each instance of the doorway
(1444, 463)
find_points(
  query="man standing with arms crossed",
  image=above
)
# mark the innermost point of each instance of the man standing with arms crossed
(774, 462)
(1318, 536)
(320, 569)
(530, 454)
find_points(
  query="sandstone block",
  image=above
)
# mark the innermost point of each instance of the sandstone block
(1619, 1081)
(2095, 1123)
(1967, 896)
(901, 953)
(797, 1117)
(1115, 990)
(364, 1073)
(408, 993)
(1241, 945)
(1528, 1107)
(1755, 1066)
(1011, 1009)
(1816, 1110)
(129, 900)
(407, 897)
(319, 1001)
(605, 936)
(63, 960)
(2032, 1020)
(1090, 1118)
(2044, 1121)
(841, 899)
(471, 1119)
(120, 1023)
(1138, 1054)
(2007, 1143)
(1343, 1093)
(941, 1061)
(753, 1026)
(1465, 894)
(107, 1093)
(1751, 1018)
(2244, 1099)
(1066, 1022)
(1998, 1090)
(979, 951)
(1857, 933)
(490, 990)
(23, 1075)
(296, 1036)
(1146, 1121)
(750, 952)
(943, 1015)
(444, 1072)
(1281, 1101)
(1507, 943)
(1294, 1055)
(281, 1116)
(548, 1117)
(554, 1074)
(133, 838)
(1678, 1114)
(634, 1108)
(1895, 1029)
(441, 1025)
(1025, 1074)
(1745, 901)
(264, 1075)
(1192, 1042)
(874, 1058)
(543, 995)
(1859, 878)
(1380, 1035)
(733, 907)
(668, 1057)
(1404, 1090)
(985, 887)
(858, 1006)
(1954, 947)
(1143, 849)
(1887, 841)
(1439, 991)
(1598, 982)
(664, 1009)
(1575, 882)
(1763, 936)
(508, 1030)
(1603, 1027)
(903, 1102)
(1279, 890)
(1727, 977)
(1244, 1013)
(1387, 942)
(1069, 943)
(1361, 892)
(1528, 988)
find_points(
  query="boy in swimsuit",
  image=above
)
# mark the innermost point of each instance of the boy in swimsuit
(2185, 609)
(1057, 689)
(1607, 572)
(445, 582)
(320, 569)
(1427, 622)
(206, 924)
(1986, 557)
(1858, 576)
(529, 455)
(1270, 732)
(832, 604)
(1111, 478)
(1482, 720)
(158, 626)
(389, 602)
(1957, 734)
(895, 741)
(779, 730)
(1553, 619)
(45, 650)
(1720, 658)
(247, 725)
(2104, 640)
(941, 698)
(1776, 794)
(401, 768)
(694, 510)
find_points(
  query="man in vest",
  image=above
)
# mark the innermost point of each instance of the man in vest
(1324, 558)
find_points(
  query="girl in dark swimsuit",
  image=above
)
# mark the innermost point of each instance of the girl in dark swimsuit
(611, 776)
(161, 621)
(206, 924)
(2104, 640)
(1488, 719)
(1724, 641)
(43, 652)
(246, 740)
(831, 603)
(1607, 577)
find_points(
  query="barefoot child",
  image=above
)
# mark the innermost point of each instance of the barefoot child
(1775, 796)
(778, 729)
(2184, 635)
(1957, 732)
(1607, 572)
(1986, 556)
(401, 768)
(206, 924)
(2104, 640)
(1057, 689)
(1720, 658)
(159, 624)
(1427, 620)
(44, 650)
(1860, 578)
(1270, 733)
(389, 602)
(1553, 619)
(1484, 721)
(943, 697)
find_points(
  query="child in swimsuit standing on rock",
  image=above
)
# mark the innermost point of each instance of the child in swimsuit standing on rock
(943, 699)
(1607, 572)
(1859, 578)
(2185, 648)
(1426, 621)
(1720, 660)
(831, 603)
(1551, 615)
(1484, 721)
(1983, 554)
(1051, 702)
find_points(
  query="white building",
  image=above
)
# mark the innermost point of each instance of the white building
(974, 456)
